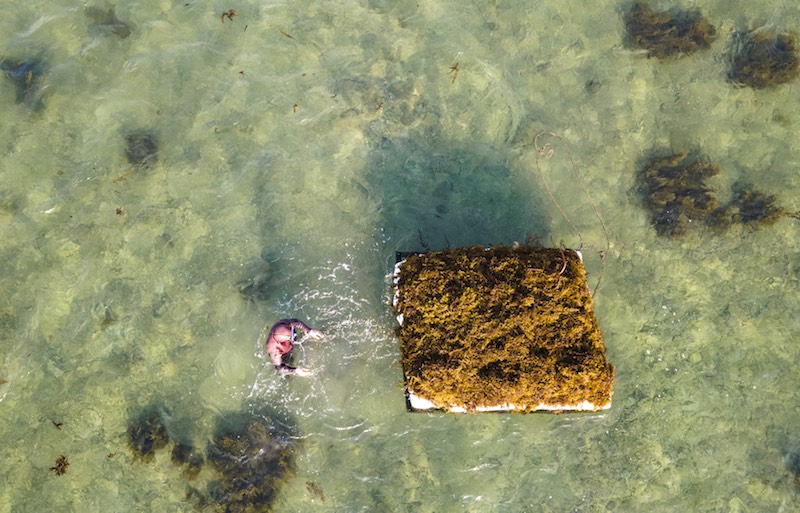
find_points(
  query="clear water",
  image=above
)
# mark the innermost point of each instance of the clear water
(308, 141)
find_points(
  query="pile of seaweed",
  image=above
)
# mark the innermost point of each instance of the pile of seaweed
(763, 58)
(669, 33)
(678, 197)
(506, 325)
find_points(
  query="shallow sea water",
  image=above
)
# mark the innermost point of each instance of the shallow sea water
(304, 143)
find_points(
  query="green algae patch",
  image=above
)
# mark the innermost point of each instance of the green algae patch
(500, 329)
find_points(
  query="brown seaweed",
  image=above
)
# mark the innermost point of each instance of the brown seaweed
(668, 33)
(500, 326)
(763, 58)
(678, 198)
(181, 453)
(753, 207)
(676, 193)
(60, 468)
(253, 463)
(146, 434)
(315, 489)
(184, 454)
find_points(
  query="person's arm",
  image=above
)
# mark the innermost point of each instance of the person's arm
(308, 330)
(297, 371)
(285, 369)
(277, 359)
(298, 324)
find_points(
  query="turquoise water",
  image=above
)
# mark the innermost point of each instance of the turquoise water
(301, 144)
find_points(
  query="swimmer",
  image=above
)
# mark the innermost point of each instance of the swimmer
(280, 342)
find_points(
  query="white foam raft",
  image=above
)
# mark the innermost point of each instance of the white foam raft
(438, 320)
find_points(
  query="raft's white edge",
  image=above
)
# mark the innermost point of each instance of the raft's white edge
(421, 404)
(395, 281)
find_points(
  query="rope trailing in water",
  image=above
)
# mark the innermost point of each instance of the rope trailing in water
(546, 151)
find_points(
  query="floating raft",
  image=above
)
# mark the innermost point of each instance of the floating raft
(499, 329)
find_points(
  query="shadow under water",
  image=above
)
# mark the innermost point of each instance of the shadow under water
(27, 76)
(436, 194)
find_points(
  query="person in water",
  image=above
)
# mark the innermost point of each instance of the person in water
(280, 342)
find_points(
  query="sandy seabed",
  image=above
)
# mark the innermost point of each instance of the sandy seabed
(299, 146)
